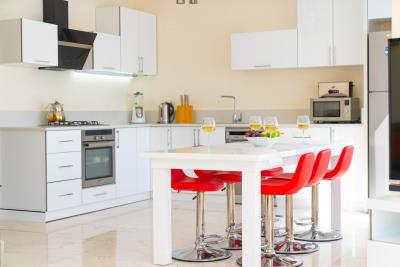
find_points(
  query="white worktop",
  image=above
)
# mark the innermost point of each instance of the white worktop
(128, 125)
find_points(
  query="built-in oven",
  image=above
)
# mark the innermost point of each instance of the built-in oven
(98, 157)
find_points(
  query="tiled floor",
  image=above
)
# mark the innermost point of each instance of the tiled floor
(122, 237)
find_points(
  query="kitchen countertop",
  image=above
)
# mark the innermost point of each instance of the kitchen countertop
(244, 125)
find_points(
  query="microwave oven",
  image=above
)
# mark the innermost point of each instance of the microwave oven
(334, 110)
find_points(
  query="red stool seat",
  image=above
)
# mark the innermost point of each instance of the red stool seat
(272, 172)
(181, 182)
(342, 165)
(285, 186)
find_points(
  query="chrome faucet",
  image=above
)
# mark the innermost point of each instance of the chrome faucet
(236, 117)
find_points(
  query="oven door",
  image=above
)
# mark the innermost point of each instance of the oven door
(98, 166)
(327, 110)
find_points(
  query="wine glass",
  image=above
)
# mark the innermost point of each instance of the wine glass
(271, 124)
(208, 127)
(255, 123)
(303, 123)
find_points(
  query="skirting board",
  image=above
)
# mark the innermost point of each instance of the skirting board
(62, 214)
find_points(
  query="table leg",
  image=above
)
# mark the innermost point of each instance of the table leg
(251, 218)
(336, 201)
(162, 231)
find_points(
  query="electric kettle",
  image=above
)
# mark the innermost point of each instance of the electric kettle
(166, 113)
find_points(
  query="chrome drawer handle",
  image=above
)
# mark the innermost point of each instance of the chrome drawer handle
(65, 141)
(108, 68)
(66, 166)
(263, 66)
(101, 194)
(67, 195)
(41, 61)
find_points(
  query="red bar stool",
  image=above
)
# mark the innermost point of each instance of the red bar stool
(233, 238)
(289, 245)
(202, 252)
(314, 234)
(276, 186)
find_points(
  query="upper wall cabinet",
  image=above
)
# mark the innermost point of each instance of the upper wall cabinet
(29, 42)
(379, 9)
(107, 53)
(330, 33)
(264, 50)
(138, 32)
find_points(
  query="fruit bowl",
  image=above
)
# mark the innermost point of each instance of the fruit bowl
(263, 141)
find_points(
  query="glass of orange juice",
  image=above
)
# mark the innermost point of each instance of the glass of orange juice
(303, 123)
(208, 126)
(255, 123)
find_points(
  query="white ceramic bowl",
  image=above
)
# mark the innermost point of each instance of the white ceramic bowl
(263, 141)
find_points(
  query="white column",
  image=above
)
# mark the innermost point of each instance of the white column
(251, 218)
(396, 18)
(162, 231)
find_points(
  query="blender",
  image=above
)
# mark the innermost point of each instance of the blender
(138, 111)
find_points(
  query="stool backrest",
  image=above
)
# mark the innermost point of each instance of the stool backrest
(302, 174)
(320, 167)
(342, 165)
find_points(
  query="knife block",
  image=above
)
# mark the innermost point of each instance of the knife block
(184, 114)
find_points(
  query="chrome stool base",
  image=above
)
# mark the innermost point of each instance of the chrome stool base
(303, 221)
(276, 261)
(231, 243)
(201, 254)
(213, 239)
(318, 236)
(288, 246)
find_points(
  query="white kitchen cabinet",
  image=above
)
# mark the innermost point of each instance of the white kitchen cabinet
(348, 32)
(30, 42)
(160, 138)
(184, 137)
(138, 32)
(379, 9)
(64, 166)
(125, 161)
(107, 53)
(148, 43)
(63, 141)
(98, 194)
(315, 22)
(330, 33)
(143, 177)
(264, 50)
(216, 138)
(65, 194)
(130, 44)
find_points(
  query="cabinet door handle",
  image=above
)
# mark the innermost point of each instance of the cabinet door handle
(334, 55)
(65, 141)
(65, 166)
(117, 132)
(100, 194)
(108, 68)
(198, 137)
(66, 195)
(169, 138)
(41, 61)
(194, 137)
(263, 66)
(330, 55)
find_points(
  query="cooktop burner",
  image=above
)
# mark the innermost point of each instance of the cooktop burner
(75, 123)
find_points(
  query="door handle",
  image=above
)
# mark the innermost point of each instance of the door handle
(65, 166)
(117, 132)
(67, 195)
(65, 141)
(41, 61)
(100, 194)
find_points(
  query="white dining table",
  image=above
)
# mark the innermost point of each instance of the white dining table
(243, 157)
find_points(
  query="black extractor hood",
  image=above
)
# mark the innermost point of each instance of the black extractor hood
(74, 46)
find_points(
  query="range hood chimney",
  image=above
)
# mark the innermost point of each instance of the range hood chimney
(74, 46)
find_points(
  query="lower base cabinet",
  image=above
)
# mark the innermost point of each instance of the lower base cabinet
(63, 195)
(98, 194)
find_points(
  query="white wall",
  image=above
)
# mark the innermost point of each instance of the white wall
(396, 18)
